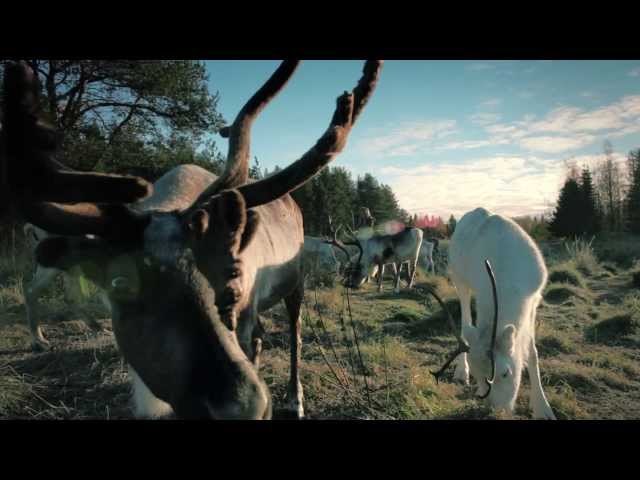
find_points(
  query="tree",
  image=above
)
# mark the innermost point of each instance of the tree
(589, 212)
(609, 187)
(566, 220)
(451, 225)
(98, 103)
(632, 199)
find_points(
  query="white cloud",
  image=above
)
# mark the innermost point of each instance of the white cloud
(406, 139)
(512, 186)
(635, 72)
(556, 144)
(484, 118)
(569, 128)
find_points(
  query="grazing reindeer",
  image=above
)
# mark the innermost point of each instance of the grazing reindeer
(379, 250)
(503, 342)
(189, 268)
(429, 247)
(43, 277)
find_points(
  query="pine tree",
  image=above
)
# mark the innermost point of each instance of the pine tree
(589, 215)
(451, 225)
(566, 221)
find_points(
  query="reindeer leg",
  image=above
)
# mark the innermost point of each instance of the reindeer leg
(380, 276)
(42, 278)
(462, 366)
(396, 288)
(538, 400)
(295, 393)
(413, 272)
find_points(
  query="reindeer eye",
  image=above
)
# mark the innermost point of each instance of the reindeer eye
(505, 374)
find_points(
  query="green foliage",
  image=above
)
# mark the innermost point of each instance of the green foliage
(129, 116)
(334, 193)
(451, 225)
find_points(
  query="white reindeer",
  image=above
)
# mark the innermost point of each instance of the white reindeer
(503, 342)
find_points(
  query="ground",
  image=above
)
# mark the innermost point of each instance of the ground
(366, 355)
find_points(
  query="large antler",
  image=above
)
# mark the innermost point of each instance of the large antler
(334, 241)
(349, 107)
(463, 346)
(356, 243)
(239, 132)
(33, 177)
(491, 351)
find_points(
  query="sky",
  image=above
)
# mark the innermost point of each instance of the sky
(449, 136)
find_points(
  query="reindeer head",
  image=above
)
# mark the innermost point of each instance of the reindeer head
(492, 358)
(175, 279)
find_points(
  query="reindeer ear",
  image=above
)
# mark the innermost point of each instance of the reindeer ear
(228, 213)
(508, 338)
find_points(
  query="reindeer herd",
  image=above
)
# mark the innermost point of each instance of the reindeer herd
(186, 265)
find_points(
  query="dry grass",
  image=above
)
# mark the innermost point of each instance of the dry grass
(371, 363)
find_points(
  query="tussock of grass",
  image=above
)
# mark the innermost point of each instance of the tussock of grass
(560, 293)
(579, 377)
(565, 404)
(612, 329)
(566, 272)
(582, 255)
(552, 345)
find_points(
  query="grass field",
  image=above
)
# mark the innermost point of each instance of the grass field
(366, 355)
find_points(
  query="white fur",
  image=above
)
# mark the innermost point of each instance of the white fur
(407, 251)
(426, 252)
(520, 275)
(145, 403)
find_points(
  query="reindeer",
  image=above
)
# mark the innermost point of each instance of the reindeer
(43, 278)
(503, 341)
(379, 250)
(189, 267)
(429, 247)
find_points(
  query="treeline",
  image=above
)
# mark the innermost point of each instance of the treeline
(606, 199)
(334, 192)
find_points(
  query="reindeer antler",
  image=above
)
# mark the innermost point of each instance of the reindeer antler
(334, 241)
(463, 346)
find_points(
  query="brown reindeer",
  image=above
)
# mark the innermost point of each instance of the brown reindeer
(189, 268)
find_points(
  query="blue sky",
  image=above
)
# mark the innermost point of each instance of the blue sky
(449, 136)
